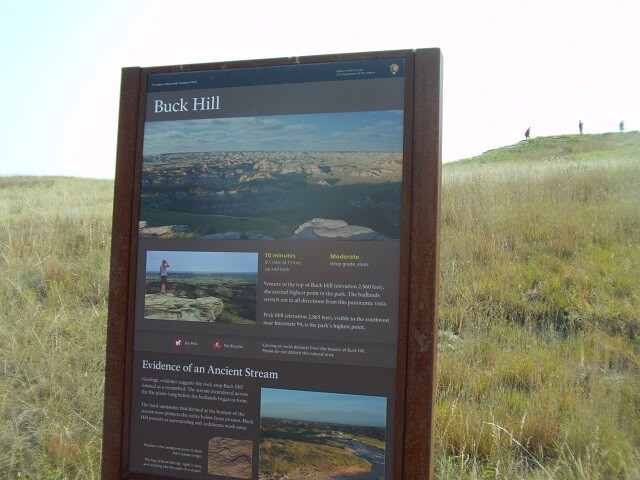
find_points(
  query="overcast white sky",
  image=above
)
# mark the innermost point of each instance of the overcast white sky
(508, 64)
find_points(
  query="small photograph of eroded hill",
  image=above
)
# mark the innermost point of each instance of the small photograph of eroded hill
(301, 177)
(321, 436)
(215, 287)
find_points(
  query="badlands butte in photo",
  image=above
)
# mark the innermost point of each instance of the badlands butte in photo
(273, 195)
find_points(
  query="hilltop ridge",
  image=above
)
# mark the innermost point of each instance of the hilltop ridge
(559, 146)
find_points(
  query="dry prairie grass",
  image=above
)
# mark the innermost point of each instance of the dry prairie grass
(540, 261)
(54, 246)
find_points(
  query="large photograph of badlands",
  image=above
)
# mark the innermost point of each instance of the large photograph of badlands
(334, 176)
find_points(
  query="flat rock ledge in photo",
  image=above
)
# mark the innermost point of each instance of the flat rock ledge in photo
(144, 230)
(327, 229)
(170, 307)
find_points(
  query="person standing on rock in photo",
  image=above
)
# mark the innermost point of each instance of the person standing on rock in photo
(163, 276)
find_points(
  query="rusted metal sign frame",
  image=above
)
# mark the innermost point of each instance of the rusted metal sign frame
(419, 259)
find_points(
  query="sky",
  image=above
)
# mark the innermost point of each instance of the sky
(328, 132)
(508, 64)
(203, 262)
(324, 407)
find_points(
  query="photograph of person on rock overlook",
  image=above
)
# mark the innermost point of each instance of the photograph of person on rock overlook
(205, 287)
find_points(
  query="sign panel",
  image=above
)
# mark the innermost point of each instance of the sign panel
(267, 318)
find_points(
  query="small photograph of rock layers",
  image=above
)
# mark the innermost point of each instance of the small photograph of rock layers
(229, 457)
(215, 287)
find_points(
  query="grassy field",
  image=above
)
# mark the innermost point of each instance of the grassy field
(54, 255)
(539, 363)
(539, 368)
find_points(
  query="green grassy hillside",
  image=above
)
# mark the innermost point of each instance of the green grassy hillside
(539, 365)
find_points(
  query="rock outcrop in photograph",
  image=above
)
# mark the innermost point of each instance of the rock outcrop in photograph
(229, 457)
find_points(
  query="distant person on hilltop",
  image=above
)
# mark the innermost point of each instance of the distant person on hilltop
(163, 276)
(527, 134)
(621, 126)
(580, 126)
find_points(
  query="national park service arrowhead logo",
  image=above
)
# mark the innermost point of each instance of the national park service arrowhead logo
(394, 68)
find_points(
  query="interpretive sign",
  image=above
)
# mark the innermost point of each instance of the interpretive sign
(272, 307)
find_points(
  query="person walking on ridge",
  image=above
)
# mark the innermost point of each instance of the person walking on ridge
(580, 126)
(621, 126)
(527, 133)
